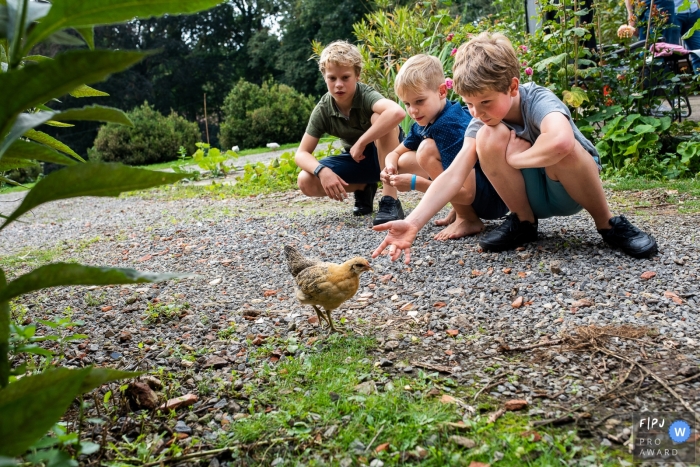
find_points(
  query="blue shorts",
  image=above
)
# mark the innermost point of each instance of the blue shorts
(547, 197)
(487, 204)
(365, 171)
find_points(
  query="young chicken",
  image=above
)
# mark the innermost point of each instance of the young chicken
(324, 284)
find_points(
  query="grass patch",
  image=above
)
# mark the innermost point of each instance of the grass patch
(16, 189)
(307, 411)
(689, 186)
(29, 258)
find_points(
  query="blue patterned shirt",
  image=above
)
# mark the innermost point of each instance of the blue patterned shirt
(447, 131)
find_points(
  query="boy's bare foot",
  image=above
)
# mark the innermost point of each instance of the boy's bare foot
(448, 219)
(460, 228)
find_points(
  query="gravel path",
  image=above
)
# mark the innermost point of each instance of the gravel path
(244, 292)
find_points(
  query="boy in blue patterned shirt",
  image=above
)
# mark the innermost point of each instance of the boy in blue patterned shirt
(432, 144)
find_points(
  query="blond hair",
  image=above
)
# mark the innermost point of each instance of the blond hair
(485, 63)
(418, 73)
(340, 53)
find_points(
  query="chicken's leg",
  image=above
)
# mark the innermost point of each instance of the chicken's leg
(330, 321)
(321, 317)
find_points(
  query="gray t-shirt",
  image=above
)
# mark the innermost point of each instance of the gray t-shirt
(535, 103)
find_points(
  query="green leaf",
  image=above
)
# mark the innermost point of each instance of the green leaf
(24, 122)
(575, 96)
(692, 30)
(50, 141)
(8, 181)
(86, 91)
(97, 113)
(555, 60)
(90, 179)
(85, 13)
(10, 163)
(33, 85)
(63, 274)
(59, 124)
(35, 11)
(35, 403)
(33, 151)
(88, 35)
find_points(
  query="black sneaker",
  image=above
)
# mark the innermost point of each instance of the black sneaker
(629, 238)
(364, 200)
(390, 209)
(509, 235)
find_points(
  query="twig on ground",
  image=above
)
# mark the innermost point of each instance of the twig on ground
(660, 380)
(507, 348)
(428, 366)
(488, 386)
(381, 428)
(496, 415)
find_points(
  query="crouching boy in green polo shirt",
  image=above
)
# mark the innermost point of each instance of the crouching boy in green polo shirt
(367, 124)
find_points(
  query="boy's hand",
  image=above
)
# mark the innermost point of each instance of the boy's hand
(333, 185)
(388, 171)
(400, 238)
(516, 145)
(401, 182)
(357, 151)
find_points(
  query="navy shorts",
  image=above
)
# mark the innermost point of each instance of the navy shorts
(487, 204)
(365, 171)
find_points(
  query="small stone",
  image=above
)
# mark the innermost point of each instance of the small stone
(515, 404)
(115, 355)
(239, 416)
(124, 336)
(334, 396)
(463, 441)
(452, 332)
(554, 267)
(645, 276)
(407, 369)
(367, 388)
(561, 359)
(181, 427)
(182, 401)
(376, 463)
(215, 281)
(330, 431)
(518, 302)
(109, 333)
(357, 447)
(384, 362)
(277, 461)
(187, 363)
(153, 382)
(391, 345)
(216, 362)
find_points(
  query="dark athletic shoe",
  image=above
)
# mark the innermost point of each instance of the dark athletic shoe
(390, 209)
(629, 238)
(509, 235)
(364, 200)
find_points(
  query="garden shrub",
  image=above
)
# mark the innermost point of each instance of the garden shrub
(256, 115)
(153, 138)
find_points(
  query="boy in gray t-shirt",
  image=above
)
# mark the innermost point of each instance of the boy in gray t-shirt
(531, 151)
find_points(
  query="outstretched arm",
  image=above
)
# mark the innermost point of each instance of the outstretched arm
(402, 233)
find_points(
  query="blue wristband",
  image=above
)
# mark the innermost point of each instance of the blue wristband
(413, 182)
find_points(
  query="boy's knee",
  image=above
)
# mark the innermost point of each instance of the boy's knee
(427, 151)
(492, 139)
(306, 183)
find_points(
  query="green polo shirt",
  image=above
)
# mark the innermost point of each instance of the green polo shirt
(327, 119)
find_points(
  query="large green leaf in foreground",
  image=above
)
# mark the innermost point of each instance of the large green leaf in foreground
(33, 404)
(91, 179)
(36, 84)
(84, 13)
(61, 274)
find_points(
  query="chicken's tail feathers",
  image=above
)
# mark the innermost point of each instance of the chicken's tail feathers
(296, 262)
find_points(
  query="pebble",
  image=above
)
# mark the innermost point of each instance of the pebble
(181, 427)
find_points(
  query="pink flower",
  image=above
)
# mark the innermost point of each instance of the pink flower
(528, 71)
(454, 51)
(449, 83)
(524, 63)
(523, 48)
(450, 36)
